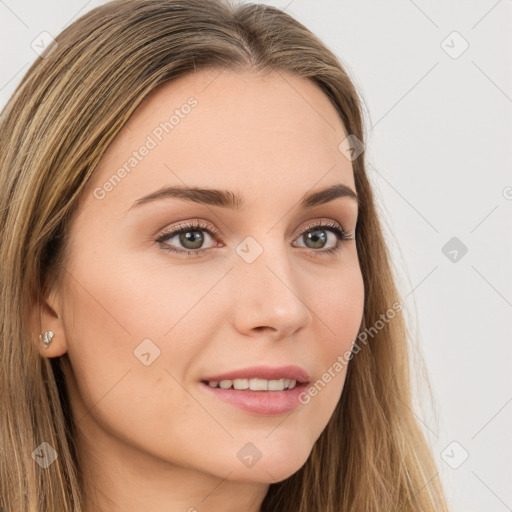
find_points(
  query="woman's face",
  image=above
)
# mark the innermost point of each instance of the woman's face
(144, 322)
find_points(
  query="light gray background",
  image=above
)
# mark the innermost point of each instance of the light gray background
(438, 149)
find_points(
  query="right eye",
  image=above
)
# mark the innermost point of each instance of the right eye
(190, 236)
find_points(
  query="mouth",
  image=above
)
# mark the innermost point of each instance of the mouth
(262, 390)
(257, 396)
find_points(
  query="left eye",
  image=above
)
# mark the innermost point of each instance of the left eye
(191, 238)
(318, 237)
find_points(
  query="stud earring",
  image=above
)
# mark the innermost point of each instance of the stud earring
(46, 338)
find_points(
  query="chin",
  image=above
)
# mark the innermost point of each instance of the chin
(264, 473)
(274, 467)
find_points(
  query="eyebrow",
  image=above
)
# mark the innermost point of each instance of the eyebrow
(229, 199)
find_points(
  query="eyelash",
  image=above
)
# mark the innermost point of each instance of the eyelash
(341, 234)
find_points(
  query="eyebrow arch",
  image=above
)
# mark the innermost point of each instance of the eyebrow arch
(229, 199)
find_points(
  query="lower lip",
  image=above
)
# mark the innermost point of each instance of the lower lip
(265, 403)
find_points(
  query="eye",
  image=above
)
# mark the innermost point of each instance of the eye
(315, 236)
(190, 236)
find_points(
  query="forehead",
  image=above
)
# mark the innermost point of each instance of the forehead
(227, 129)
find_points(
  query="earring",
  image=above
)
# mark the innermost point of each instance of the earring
(46, 338)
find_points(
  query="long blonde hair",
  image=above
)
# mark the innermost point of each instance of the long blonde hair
(67, 109)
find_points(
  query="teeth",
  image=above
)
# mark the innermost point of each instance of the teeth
(254, 384)
(240, 383)
(258, 384)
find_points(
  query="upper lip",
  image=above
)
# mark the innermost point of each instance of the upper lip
(265, 372)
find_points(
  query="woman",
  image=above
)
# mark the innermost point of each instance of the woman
(199, 311)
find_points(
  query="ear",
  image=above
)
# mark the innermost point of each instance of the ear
(47, 316)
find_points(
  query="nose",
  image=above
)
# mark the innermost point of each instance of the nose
(268, 296)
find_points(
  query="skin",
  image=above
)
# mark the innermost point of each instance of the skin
(150, 438)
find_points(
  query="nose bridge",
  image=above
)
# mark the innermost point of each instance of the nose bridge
(268, 289)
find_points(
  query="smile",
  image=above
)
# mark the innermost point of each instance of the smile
(254, 384)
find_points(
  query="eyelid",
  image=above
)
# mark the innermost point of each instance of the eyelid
(200, 225)
(318, 223)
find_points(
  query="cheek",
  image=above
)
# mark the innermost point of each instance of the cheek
(339, 305)
(134, 323)
(339, 310)
(126, 370)
(122, 322)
